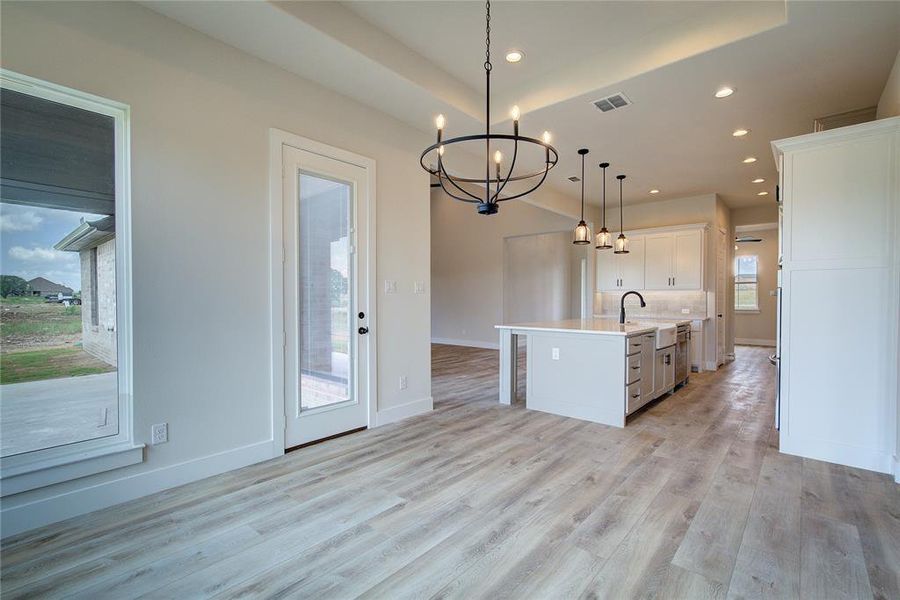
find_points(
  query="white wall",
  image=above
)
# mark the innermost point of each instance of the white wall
(201, 112)
(467, 264)
(889, 104)
(759, 328)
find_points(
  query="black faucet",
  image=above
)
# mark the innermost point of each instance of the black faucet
(622, 305)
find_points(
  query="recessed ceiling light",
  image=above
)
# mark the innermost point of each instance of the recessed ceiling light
(514, 56)
(724, 92)
(762, 194)
(740, 132)
(654, 191)
(758, 180)
(749, 159)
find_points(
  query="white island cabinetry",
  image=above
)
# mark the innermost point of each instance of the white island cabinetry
(591, 369)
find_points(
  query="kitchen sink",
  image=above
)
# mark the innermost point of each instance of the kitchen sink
(666, 333)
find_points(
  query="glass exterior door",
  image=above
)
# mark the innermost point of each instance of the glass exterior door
(323, 326)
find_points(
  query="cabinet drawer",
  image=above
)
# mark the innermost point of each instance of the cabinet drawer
(634, 345)
(633, 400)
(633, 368)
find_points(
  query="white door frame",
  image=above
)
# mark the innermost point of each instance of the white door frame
(277, 139)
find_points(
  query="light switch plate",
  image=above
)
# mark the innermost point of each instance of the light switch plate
(555, 353)
(390, 286)
(419, 287)
(685, 311)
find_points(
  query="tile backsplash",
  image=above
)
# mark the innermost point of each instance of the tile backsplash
(660, 304)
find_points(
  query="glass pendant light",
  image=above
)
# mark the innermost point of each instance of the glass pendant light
(604, 239)
(621, 241)
(582, 232)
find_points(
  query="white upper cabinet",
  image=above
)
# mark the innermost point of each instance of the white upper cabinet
(631, 265)
(607, 271)
(658, 259)
(620, 272)
(687, 271)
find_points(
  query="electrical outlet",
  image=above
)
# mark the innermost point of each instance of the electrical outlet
(159, 434)
(404, 382)
(555, 353)
(685, 311)
(419, 287)
(390, 286)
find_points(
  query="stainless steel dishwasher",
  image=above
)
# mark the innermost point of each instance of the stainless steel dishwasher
(683, 354)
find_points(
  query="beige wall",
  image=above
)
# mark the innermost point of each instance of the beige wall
(467, 264)
(889, 104)
(759, 328)
(755, 215)
(201, 113)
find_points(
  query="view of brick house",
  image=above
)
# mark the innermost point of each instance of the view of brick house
(95, 242)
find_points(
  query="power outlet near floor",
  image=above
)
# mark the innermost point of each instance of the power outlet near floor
(404, 382)
(159, 434)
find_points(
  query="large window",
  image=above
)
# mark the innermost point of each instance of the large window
(64, 310)
(746, 283)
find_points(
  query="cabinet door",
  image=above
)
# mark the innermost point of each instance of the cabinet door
(659, 373)
(607, 271)
(687, 272)
(658, 251)
(631, 265)
(670, 369)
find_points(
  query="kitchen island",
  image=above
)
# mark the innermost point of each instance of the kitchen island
(593, 369)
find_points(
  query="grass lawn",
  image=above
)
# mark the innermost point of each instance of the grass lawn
(35, 365)
(29, 323)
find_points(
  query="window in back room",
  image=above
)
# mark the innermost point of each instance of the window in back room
(746, 283)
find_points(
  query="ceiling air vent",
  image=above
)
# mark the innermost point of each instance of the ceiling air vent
(612, 102)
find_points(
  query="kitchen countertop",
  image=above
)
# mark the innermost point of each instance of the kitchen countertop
(676, 320)
(587, 326)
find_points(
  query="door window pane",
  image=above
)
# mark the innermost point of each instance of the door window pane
(325, 265)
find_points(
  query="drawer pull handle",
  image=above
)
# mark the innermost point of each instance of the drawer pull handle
(635, 395)
(635, 368)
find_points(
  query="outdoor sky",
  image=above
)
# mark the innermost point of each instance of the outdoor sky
(27, 236)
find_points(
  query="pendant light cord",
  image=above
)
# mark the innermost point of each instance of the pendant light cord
(582, 188)
(604, 197)
(621, 219)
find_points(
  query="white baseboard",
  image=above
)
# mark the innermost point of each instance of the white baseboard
(404, 411)
(840, 454)
(711, 366)
(754, 342)
(467, 343)
(37, 513)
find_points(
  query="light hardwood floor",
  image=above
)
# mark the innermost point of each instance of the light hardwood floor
(477, 500)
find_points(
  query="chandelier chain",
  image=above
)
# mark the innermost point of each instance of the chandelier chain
(487, 36)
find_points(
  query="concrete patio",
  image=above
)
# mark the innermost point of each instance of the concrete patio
(54, 412)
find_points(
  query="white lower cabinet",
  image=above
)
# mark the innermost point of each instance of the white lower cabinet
(664, 371)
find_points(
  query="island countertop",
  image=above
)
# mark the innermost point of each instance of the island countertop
(584, 326)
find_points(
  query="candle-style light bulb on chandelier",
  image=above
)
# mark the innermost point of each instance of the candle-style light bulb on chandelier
(604, 239)
(621, 241)
(493, 184)
(582, 232)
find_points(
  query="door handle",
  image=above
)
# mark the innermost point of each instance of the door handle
(363, 330)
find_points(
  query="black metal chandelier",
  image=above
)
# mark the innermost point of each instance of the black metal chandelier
(454, 185)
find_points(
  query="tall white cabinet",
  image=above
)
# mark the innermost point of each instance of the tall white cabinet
(840, 301)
